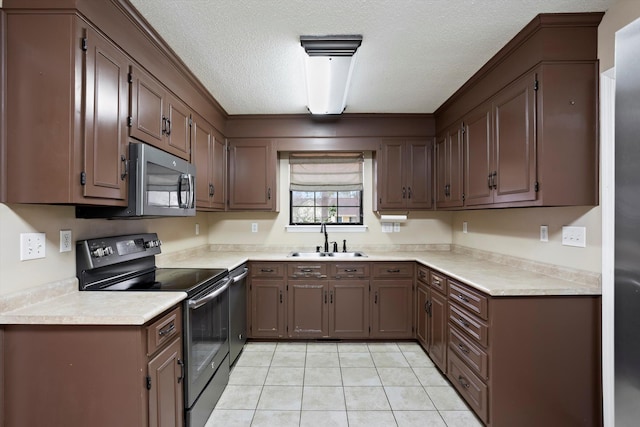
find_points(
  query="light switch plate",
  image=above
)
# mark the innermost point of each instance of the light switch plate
(387, 227)
(574, 236)
(464, 227)
(396, 227)
(32, 246)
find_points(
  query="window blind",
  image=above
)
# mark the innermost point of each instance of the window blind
(326, 171)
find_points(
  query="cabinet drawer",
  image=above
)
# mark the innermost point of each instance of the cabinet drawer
(469, 324)
(472, 389)
(267, 270)
(388, 270)
(307, 270)
(163, 330)
(350, 270)
(475, 357)
(472, 300)
(438, 281)
(423, 274)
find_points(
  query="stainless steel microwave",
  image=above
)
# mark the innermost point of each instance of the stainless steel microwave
(160, 184)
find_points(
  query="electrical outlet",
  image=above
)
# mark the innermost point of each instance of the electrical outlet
(197, 229)
(387, 227)
(32, 246)
(464, 227)
(65, 241)
(254, 227)
(396, 227)
(574, 236)
(544, 233)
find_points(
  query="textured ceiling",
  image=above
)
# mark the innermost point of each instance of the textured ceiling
(414, 54)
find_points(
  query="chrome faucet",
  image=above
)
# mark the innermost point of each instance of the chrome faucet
(323, 229)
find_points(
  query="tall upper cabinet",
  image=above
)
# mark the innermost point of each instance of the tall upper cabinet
(209, 157)
(528, 121)
(67, 98)
(81, 80)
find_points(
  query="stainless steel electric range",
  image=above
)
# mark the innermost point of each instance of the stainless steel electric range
(127, 263)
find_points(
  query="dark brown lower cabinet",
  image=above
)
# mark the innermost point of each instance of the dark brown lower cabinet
(392, 308)
(437, 347)
(422, 313)
(94, 375)
(349, 308)
(268, 314)
(308, 308)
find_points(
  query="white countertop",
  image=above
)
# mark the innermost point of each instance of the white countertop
(61, 303)
(490, 277)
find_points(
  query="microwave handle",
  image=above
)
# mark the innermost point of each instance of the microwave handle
(190, 191)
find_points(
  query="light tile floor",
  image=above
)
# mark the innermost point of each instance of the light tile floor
(338, 384)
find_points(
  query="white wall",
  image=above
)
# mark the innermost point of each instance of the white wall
(175, 233)
(235, 228)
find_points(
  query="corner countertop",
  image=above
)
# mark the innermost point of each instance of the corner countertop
(493, 278)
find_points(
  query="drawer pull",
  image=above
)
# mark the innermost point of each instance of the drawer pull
(306, 270)
(167, 330)
(280, 297)
(266, 270)
(463, 381)
(393, 270)
(422, 274)
(350, 270)
(463, 322)
(463, 348)
(463, 298)
(375, 298)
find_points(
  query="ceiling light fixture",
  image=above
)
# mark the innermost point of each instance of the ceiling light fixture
(329, 63)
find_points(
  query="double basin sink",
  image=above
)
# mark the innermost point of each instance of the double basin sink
(326, 254)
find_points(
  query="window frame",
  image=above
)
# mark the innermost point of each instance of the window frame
(315, 206)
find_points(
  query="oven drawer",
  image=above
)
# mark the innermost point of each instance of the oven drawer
(163, 329)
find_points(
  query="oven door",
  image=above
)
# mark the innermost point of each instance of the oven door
(206, 339)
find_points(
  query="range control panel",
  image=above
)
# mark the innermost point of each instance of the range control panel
(101, 252)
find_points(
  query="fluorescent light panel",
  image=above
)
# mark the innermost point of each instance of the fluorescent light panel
(329, 65)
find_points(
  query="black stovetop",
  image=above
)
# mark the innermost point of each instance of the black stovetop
(189, 280)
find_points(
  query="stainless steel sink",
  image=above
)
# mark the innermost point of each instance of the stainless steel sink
(326, 254)
(346, 254)
(308, 254)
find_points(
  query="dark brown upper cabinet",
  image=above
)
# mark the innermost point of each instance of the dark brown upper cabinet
(448, 165)
(499, 147)
(404, 174)
(209, 157)
(158, 117)
(529, 120)
(253, 170)
(66, 112)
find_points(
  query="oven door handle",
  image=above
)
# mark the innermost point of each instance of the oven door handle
(193, 304)
(241, 276)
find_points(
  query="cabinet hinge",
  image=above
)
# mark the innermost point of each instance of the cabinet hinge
(129, 121)
(148, 382)
(83, 178)
(84, 45)
(535, 85)
(536, 186)
(130, 77)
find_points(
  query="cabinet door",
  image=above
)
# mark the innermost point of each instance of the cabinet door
(349, 308)
(418, 174)
(252, 172)
(513, 110)
(267, 309)
(442, 170)
(106, 100)
(438, 329)
(308, 307)
(218, 171)
(392, 190)
(392, 308)
(202, 135)
(148, 122)
(166, 407)
(449, 156)
(422, 311)
(478, 156)
(178, 128)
